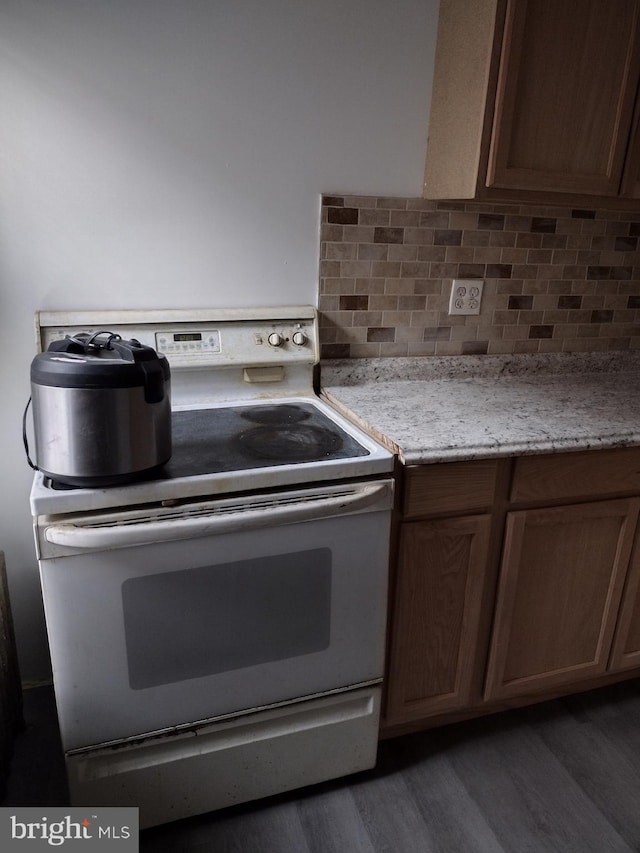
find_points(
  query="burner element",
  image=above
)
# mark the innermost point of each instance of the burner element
(284, 413)
(298, 443)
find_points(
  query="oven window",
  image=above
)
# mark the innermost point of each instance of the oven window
(213, 619)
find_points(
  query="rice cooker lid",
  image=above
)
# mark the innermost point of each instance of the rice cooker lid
(99, 360)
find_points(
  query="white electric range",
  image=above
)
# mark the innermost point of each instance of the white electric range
(217, 632)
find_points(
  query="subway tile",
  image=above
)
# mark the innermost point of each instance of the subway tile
(438, 333)
(443, 270)
(331, 232)
(402, 252)
(388, 235)
(528, 241)
(343, 215)
(459, 254)
(539, 256)
(622, 273)
(418, 236)
(491, 221)
(601, 316)
(412, 302)
(555, 241)
(434, 219)
(354, 303)
(432, 253)
(355, 269)
(330, 351)
(503, 239)
(475, 347)
(358, 233)
(369, 285)
(415, 269)
(499, 270)
(510, 255)
(472, 270)
(475, 238)
(430, 286)
(569, 301)
(543, 225)
(370, 251)
(375, 217)
(447, 237)
(392, 202)
(519, 303)
(341, 251)
(380, 334)
(545, 331)
(463, 220)
(535, 286)
(383, 302)
(555, 317)
(405, 218)
(386, 269)
(486, 254)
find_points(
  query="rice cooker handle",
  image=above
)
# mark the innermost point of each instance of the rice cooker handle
(84, 343)
(154, 381)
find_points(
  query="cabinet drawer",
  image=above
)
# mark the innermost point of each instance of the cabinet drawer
(449, 487)
(592, 473)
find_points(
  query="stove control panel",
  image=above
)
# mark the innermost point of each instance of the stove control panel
(199, 338)
(188, 343)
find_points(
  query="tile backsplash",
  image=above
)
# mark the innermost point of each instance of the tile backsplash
(556, 279)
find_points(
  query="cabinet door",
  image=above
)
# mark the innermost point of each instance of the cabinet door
(436, 616)
(565, 96)
(626, 646)
(562, 575)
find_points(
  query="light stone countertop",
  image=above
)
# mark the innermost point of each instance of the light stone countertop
(434, 409)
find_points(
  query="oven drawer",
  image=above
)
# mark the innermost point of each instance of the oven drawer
(276, 602)
(232, 761)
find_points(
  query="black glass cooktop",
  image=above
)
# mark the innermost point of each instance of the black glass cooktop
(206, 441)
(211, 441)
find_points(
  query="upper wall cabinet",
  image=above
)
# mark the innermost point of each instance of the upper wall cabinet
(536, 100)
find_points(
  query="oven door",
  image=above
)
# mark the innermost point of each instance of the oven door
(161, 619)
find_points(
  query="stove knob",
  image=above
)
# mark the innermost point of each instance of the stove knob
(275, 339)
(299, 339)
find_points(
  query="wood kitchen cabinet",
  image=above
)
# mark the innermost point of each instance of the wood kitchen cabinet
(561, 581)
(516, 580)
(441, 572)
(536, 100)
(440, 586)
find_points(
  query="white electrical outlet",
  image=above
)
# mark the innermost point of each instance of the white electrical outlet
(466, 295)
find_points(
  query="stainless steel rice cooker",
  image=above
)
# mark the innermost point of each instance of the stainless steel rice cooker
(101, 410)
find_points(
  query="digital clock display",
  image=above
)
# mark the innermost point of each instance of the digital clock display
(179, 337)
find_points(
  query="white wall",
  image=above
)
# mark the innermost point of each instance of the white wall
(172, 153)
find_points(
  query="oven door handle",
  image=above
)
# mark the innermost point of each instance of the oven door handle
(270, 514)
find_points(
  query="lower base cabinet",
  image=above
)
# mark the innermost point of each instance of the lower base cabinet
(439, 587)
(528, 588)
(561, 581)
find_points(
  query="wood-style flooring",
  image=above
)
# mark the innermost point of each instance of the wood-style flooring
(560, 777)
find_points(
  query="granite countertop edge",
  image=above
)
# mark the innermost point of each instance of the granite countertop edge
(454, 408)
